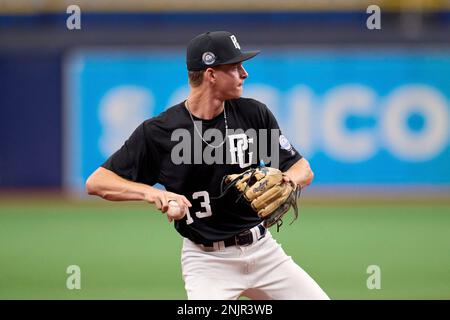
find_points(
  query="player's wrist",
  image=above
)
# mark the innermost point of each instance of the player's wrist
(287, 177)
(150, 194)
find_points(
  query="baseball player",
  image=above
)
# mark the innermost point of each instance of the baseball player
(189, 148)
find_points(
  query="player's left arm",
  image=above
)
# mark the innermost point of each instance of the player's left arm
(300, 173)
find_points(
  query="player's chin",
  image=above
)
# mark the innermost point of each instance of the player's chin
(237, 93)
(234, 93)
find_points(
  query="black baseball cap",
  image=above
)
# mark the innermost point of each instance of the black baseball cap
(215, 48)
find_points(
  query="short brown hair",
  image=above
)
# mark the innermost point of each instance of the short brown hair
(195, 77)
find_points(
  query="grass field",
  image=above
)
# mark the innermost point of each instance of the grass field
(129, 251)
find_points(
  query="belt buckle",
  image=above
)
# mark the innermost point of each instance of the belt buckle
(244, 238)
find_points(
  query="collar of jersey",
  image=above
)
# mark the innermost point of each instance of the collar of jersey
(216, 118)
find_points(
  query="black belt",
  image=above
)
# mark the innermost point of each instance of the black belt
(244, 238)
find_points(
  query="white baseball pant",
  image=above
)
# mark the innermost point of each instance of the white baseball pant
(259, 271)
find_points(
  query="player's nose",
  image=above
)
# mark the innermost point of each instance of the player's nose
(243, 72)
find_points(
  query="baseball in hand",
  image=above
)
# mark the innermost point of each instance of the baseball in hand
(174, 212)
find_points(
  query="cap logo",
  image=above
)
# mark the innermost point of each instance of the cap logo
(235, 42)
(208, 58)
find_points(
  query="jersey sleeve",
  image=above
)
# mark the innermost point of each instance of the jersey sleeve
(287, 153)
(136, 160)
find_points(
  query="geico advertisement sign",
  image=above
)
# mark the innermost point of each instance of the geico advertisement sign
(352, 123)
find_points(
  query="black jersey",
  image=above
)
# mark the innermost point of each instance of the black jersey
(169, 150)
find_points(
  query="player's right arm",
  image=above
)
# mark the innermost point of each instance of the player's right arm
(110, 186)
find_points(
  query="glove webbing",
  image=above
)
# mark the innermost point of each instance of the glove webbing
(233, 182)
(297, 192)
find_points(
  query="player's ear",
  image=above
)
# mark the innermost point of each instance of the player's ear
(210, 74)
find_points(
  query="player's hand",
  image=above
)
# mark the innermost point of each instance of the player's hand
(161, 200)
(288, 178)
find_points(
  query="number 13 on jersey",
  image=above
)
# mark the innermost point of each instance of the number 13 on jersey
(204, 204)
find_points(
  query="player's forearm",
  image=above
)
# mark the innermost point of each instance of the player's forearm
(110, 186)
(301, 173)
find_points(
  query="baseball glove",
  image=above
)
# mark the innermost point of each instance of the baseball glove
(268, 194)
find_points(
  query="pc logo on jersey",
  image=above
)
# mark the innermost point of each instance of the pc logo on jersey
(239, 143)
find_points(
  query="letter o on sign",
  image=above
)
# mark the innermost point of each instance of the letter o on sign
(405, 143)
